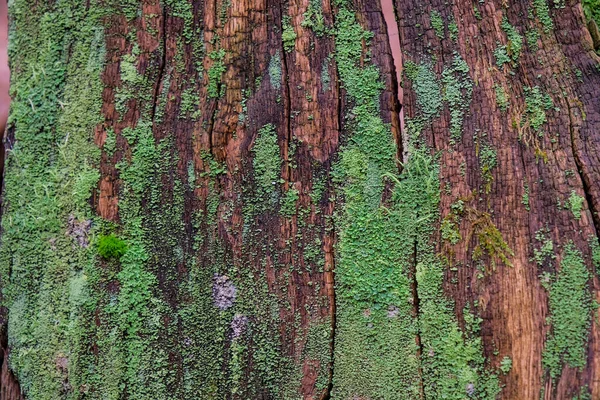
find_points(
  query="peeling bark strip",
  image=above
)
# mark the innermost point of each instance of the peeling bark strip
(205, 199)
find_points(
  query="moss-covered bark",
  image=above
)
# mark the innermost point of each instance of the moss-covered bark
(215, 199)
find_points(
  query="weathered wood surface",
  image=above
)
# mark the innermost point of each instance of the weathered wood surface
(218, 199)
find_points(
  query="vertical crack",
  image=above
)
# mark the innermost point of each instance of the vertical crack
(388, 8)
(162, 65)
(585, 179)
(287, 100)
(416, 314)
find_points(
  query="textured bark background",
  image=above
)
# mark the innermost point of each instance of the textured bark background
(218, 199)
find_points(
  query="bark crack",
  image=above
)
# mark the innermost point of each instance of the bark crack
(417, 313)
(162, 65)
(585, 179)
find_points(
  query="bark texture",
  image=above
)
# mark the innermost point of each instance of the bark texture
(219, 199)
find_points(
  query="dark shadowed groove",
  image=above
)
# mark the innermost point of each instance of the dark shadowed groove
(163, 63)
(390, 15)
(287, 100)
(585, 180)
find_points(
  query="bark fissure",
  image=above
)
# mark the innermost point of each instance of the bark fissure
(287, 104)
(417, 312)
(162, 64)
(586, 184)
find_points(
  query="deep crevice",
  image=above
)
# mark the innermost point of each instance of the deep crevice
(390, 15)
(287, 113)
(162, 65)
(417, 313)
(583, 175)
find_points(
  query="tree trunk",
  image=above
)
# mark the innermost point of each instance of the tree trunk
(236, 200)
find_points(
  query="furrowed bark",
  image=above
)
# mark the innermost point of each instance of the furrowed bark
(221, 199)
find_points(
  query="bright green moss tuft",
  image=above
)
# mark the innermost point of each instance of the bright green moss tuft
(288, 35)
(111, 247)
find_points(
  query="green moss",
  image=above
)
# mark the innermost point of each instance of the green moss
(314, 19)
(111, 247)
(536, 105)
(267, 166)
(542, 11)
(375, 352)
(458, 93)
(288, 35)
(449, 230)
(501, 97)
(453, 29)
(50, 174)
(570, 307)
(525, 198)
(545, 253)
(487, 162)
(275, 70)
(515, 40)
(506, 365)
(437, 23)
(427, 88)
(575, 204)
(532, 36)
(215, 73)
(501, 55)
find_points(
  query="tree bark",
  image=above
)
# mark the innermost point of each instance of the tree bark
(237, 199)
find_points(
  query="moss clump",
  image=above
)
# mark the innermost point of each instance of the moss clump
(515, 40)
(275, 73)
(314, 19)
(542, 11)
(488, 160)
(458, 92)
(437, 23)
(570, 305)
(288, 35)
(536, 105)
(575, 204)
(501, 55)
(215, 73)
(506, 365)
(110, 247)
(501, 97)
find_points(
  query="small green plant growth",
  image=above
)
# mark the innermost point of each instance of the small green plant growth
(275, 73)
(288, 204)
(536, 105)
(575, 204)
(458, 93)
(525, 198)
(545, 253)
(506, 365)
(487, 162)
(542, 11)
(489, 238)
(532, 36)
(314, 19)
(570, 305)
(453, 29)
(595, 247)
(215, 73)
(449, 230)
(515, 40)
(501, 97)
(427, 88)
(501, 55)
(437, 23)
(110, 247)
(288, 35)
